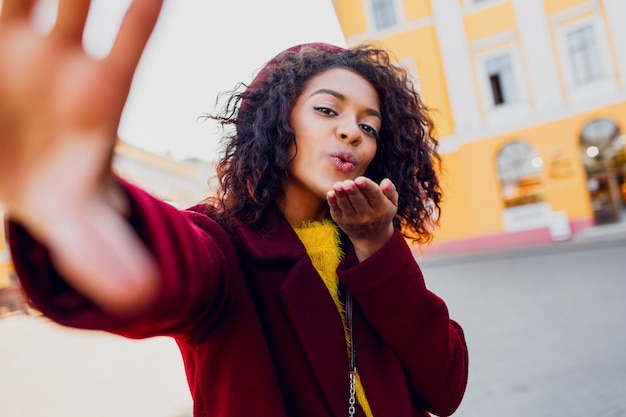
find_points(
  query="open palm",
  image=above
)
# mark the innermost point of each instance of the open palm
(59, 114)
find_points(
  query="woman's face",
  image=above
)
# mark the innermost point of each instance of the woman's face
(336, 121)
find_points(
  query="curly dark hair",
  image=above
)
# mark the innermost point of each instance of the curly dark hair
(258, 136)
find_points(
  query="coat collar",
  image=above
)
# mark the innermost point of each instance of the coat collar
(278, 240)
(308, 306)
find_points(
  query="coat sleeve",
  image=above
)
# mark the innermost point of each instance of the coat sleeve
(390, 291)
(193, 255)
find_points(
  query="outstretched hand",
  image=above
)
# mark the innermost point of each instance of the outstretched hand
(364, 210)
(59, 114)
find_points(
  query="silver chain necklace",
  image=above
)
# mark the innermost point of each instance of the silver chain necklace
(352, 392)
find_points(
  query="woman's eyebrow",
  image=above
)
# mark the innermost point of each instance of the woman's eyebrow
(329, 91)
(342, 97)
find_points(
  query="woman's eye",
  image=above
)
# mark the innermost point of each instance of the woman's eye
(369, 130)
(325, 110)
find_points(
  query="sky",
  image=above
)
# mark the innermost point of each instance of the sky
(198, 50)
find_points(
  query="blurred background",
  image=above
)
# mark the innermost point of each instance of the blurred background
(529, 100)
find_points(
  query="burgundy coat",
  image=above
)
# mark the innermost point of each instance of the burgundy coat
(258, 331)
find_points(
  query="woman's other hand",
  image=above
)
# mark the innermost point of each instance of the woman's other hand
(364, 210)
(59, 114)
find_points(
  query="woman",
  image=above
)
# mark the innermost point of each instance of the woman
(292, 292)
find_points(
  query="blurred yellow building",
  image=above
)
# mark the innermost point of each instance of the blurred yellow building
(181, 183)
(529, 97)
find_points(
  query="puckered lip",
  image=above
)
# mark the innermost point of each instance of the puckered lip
(344, 160)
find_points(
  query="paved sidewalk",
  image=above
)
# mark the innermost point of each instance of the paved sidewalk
(602, 233)
(50, 371)
(544, 327)
(593, 236)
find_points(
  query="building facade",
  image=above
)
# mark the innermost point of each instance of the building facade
(529, 99)
(181, 183)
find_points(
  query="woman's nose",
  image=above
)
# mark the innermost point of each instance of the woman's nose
(350, 132)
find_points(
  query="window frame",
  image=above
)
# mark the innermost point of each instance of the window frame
(589, 53)
(370, 13)
(483, 51)
(567, 23)
(504, 91)
(529, 153)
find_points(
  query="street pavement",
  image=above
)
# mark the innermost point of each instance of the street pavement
(544, 325)
(51, 371)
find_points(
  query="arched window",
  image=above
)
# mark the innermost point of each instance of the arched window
(603, 151)
(602, 146)
(519, 170)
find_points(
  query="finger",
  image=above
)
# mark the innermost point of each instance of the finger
(335, 211)
(357, 198)
(331, 199)
(15, 9)
(389, 189)
(133, 35)
(71, 18)
(343, 197)
(371, 191)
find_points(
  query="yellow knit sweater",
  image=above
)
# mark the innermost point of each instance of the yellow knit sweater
(321, 240)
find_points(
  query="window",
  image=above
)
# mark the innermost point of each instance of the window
(583, 54)
(504, 95)
(384, 12)
(603, 151)
(519, 169)
(501, 79)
